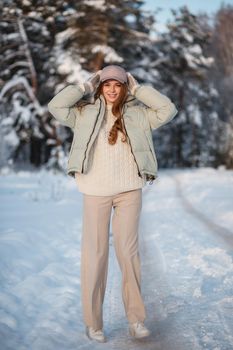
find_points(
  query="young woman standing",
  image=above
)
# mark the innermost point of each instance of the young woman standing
(111, 158)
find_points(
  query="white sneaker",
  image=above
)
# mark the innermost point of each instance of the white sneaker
(138, 330)
(94, 334)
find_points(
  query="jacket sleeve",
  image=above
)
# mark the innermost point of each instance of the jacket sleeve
(160, 109)
(61, 105)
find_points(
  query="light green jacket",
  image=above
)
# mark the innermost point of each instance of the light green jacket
(139, 119)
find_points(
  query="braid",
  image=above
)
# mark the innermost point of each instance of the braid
(118, 126)
(113, 133)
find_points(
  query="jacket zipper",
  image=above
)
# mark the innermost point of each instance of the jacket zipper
(91, 136)
(139, 174)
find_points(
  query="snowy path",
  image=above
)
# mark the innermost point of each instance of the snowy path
(187, 270)
(220, 231)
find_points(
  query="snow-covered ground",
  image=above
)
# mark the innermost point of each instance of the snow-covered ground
(186, 249)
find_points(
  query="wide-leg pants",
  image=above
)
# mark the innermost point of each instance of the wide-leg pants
(95, 251)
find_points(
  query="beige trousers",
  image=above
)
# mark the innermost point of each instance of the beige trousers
(95, 250)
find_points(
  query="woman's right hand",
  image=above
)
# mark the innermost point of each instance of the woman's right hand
(92, 83)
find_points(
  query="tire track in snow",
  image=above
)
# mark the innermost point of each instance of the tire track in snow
(219, 231)
(156, 289)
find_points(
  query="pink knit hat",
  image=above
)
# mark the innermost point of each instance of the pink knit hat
(113, 72)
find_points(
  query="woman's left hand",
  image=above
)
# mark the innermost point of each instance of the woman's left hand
(132, 83)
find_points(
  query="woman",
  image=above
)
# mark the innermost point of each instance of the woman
(111, 158)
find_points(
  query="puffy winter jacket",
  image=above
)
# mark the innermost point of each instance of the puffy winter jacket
(139, 119)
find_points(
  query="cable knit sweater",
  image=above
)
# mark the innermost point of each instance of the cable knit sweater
(112, 168)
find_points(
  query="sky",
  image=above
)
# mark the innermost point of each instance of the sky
(195, 6)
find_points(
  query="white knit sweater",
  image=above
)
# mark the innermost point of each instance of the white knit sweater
(112, 168)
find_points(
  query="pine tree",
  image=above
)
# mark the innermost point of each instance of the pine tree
(184, 67)
(106, 32)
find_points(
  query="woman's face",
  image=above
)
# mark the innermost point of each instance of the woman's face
(111, 90)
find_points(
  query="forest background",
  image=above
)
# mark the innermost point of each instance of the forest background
(46, 45)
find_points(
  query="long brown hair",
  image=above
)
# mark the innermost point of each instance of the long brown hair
(117, 109)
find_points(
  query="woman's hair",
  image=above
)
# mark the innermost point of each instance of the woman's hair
(116, 110)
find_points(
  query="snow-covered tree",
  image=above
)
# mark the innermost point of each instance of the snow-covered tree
(27, 77)
(197, 130)
(102, 32)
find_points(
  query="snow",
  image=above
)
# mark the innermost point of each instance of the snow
(65, 35)
(11, 36)
(66, 63)
(187, 36)
(191, 60)
(98, 4)
(201, 191)
(195, 114)
(213, 262)
(195, 49)
(11, 139)
(109, 53)
(142, 75)
(207, 61)
(7, 122)
(213, 91)
(25, 113)
(194, 57)
(186, 260)
(175, 44)
(26, 3)
(20, 81)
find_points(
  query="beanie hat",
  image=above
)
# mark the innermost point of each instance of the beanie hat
(113, 72)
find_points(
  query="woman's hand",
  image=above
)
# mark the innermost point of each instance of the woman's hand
(92, 83)
(132, 83)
